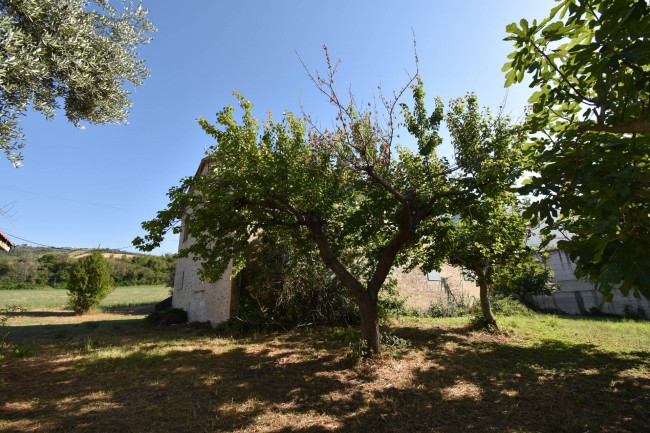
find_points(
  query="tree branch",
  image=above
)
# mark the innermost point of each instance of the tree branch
(564, 77)
(408, 222)
(373, 174)
(315, 225)
(636, 126)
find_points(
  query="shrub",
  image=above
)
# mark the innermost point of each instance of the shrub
(524, 278)
(89, 282)
(282, 288)
(452, 306)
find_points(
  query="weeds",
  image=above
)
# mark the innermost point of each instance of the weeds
(452, 306)
(4, 329)
(391, 345)
(553, 321)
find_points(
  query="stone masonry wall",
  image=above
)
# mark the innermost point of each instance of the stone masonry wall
(420, 293)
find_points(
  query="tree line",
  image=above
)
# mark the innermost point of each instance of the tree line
(35, 267)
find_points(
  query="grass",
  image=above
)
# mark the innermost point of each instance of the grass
(56, 299)
(542, 373)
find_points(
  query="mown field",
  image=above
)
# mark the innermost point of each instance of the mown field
(111, 372)
(57, 299)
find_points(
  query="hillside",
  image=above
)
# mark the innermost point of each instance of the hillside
(27, 267)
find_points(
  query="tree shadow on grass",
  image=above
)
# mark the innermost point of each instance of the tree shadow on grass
(22, 313)
(450, 381)
(130, 310)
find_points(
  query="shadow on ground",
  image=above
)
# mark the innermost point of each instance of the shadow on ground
(21, 313)
(451, 381)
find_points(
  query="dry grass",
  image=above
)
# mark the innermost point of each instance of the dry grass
(182, 379)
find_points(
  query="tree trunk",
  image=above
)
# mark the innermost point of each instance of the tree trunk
(485, 302)
(369, 323)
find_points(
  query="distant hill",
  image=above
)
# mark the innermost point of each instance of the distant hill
(33, 267)
(26, 250)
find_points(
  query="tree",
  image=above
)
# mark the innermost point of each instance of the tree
(351, 192)
(89, 282)
(63, 50)
(590, 134)
(490, 243)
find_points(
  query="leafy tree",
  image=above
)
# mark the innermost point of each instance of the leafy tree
(523, 277)
(52, 50)
(362, 201)
(89, 282)
(490, 243)
(590, 134)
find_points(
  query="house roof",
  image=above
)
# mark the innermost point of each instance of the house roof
(199, 171)
(5, 240)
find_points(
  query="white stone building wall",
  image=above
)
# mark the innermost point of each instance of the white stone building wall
(580, 297)
(203, 302)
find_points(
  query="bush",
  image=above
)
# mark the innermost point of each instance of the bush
(281, 288)
(524, 278)
(89, 282)
(501, 305)
(452, 306)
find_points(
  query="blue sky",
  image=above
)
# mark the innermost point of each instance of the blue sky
(93, 187)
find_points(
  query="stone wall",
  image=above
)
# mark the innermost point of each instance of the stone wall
(203, 302)
(420, 291)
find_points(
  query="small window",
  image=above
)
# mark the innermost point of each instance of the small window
(433, 276)
(186, 232)
(179, 280)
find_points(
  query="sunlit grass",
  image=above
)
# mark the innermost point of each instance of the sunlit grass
(56, 299)
(582, 374)
(614, 334)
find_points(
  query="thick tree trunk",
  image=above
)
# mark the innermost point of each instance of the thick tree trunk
(485, 301)
(369, 323)
(366, 297)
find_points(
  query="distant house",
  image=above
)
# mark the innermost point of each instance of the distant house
(217, 302)
(581, 297)
(5, 243)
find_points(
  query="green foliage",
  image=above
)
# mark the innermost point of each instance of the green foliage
(64, 49)
(89, 282)
(491, 241)
(504, 306)
(456, 306)
(589, 63)
(279, 288)
(521, 278)
(29, 267)
(358, 348)
(351, 193)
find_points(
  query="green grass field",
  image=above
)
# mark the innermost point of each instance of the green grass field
(56, 299)
(109, 371)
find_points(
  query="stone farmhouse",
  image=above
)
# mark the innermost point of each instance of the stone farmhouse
(217, 302)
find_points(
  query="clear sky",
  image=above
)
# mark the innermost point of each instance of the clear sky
(93, 187)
